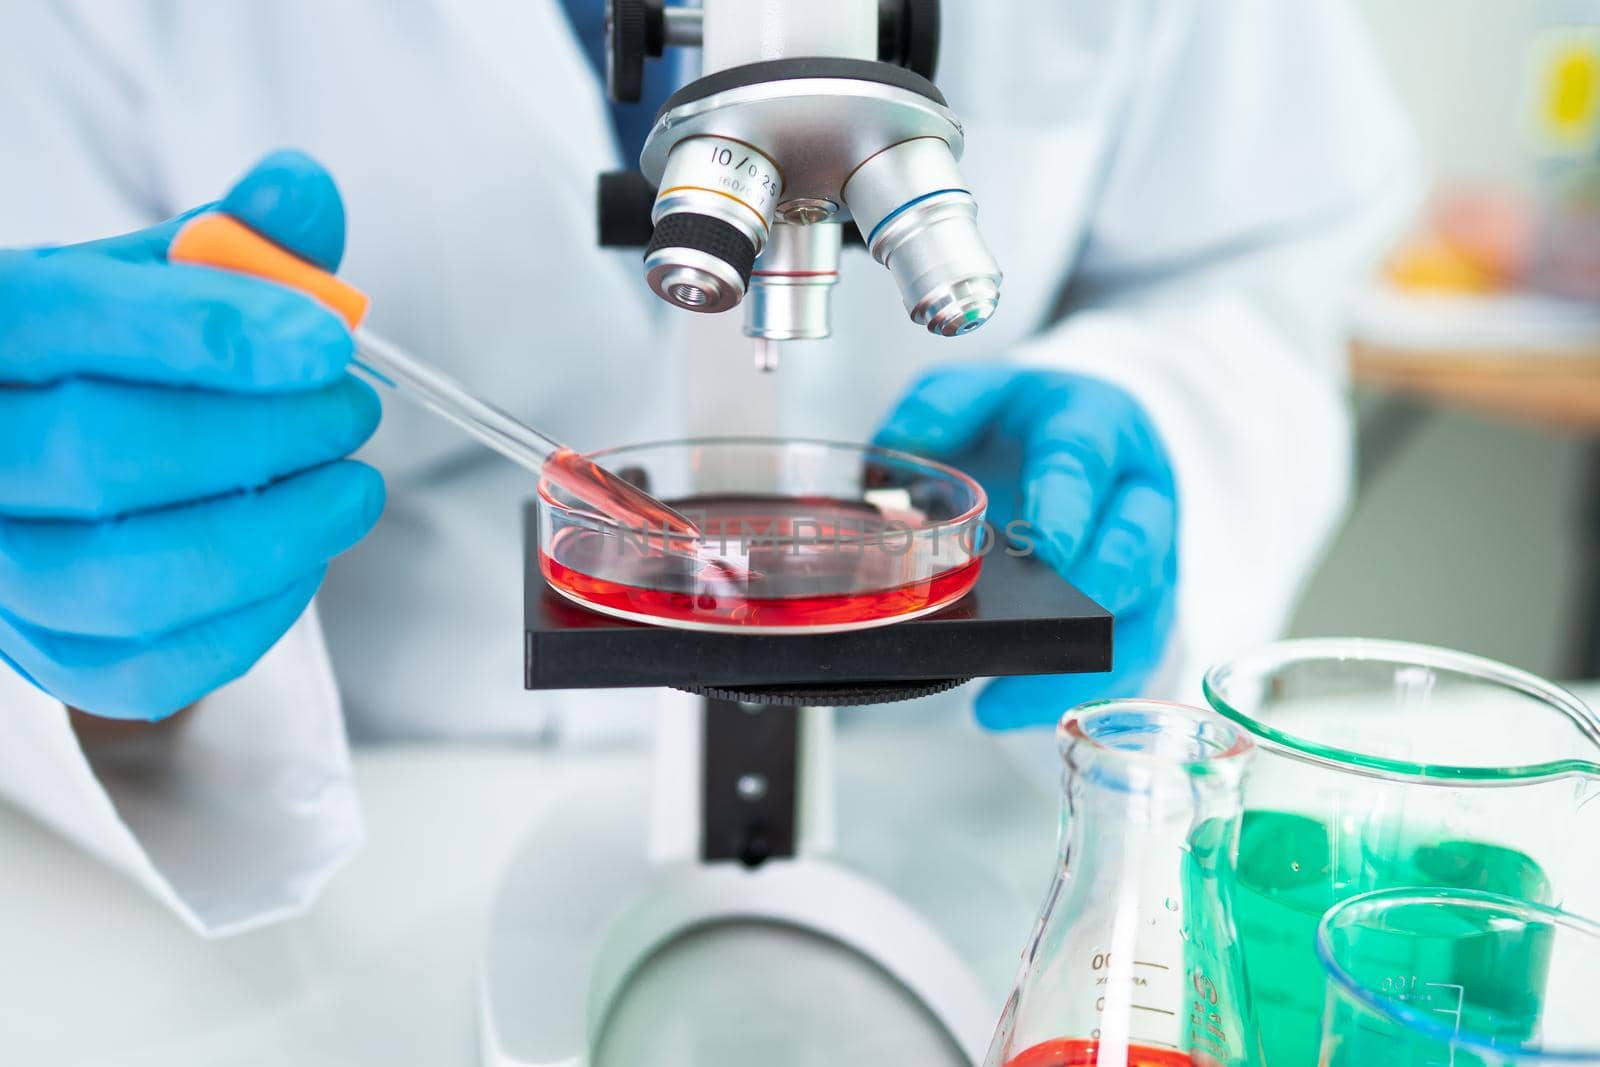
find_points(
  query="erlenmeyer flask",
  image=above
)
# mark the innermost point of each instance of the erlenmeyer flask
(1134, 961)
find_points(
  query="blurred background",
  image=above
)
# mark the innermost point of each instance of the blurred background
(1477, 354)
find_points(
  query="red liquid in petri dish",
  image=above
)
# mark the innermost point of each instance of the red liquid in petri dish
(860, 569)
(1075, 1052)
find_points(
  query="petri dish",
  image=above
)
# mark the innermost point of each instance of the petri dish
(795, 536)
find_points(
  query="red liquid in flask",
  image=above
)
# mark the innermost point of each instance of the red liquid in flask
(1077, 1052)
(766, 562)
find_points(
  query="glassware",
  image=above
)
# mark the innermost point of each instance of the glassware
(1387, 765)
(1133, 961)
(1417, 978)
(217, 240)
(598, 489)
(795, 537)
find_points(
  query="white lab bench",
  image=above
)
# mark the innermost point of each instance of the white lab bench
(385, 967)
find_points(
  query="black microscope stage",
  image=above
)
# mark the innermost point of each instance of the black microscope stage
(1020, 619)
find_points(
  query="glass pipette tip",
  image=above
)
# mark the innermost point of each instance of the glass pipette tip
(598, 488)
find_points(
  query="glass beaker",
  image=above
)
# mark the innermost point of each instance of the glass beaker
(1384, 765)
(795, 537)
(1134, 961)
(1457, 978)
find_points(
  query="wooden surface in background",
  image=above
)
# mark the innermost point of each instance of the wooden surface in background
(1552, 388)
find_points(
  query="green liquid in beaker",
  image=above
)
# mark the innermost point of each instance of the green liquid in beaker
(1457, 973)
(1292, 868)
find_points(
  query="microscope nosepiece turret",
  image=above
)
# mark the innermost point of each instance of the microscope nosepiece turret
(804, 121)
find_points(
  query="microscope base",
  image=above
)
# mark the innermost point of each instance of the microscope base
(582, 906)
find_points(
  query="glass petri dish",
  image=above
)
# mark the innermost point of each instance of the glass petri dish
(796, 536)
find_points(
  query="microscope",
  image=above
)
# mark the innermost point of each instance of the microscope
(814, 127)
(815, 124)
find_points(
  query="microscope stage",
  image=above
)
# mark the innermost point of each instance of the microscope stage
(1020, 619)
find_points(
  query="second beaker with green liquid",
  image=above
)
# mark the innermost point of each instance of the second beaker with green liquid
(1393, 765)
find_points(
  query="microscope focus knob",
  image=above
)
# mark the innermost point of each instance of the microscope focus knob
(636, 30)
(909, 34)
(624, 202)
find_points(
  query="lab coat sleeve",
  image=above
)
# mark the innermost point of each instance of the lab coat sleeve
(1260, 169)
(238, 811)
(234, 814)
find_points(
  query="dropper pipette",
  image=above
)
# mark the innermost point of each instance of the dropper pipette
(389, 364)
(218, 240)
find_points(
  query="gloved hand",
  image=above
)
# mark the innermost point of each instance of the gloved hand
(1078, 461)
(171, 481)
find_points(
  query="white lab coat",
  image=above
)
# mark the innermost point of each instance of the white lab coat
(1214, 179)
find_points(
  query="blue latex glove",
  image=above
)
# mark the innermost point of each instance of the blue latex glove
(171, 480)
(1078, 461)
